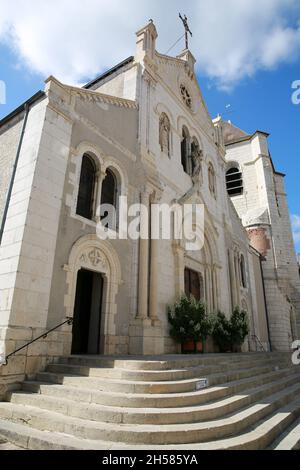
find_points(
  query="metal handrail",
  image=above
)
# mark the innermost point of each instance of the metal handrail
(69, 321)
(259, 342)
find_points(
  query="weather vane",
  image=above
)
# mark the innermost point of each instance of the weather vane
(187, 29)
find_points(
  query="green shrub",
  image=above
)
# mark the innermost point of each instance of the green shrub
(188, 320)
(222, 332)
(239, 326)
(229, 335)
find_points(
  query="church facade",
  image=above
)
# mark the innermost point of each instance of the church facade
(141, 131)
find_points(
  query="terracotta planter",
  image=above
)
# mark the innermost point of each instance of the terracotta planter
(192, 347)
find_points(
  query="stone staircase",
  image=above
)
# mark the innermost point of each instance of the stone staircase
(87, 402)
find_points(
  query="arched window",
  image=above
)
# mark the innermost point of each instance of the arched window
(109, 197)
(185, 152)
(86, 188)
(165, 134)
(234, 182)
(243, 272)
(212, 179)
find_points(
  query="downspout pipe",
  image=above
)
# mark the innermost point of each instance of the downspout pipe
(12, 180)
(265, 300)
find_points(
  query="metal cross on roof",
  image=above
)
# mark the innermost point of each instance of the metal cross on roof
(187, 29)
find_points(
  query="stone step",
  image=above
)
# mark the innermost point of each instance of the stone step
(34, 439)
(113, 414)
(161, 375)
(258, 438)
(149, 434)
(261, 436)
(176, 386)
(172, 362)
(290, 439)
(173, 400)
(118, 385)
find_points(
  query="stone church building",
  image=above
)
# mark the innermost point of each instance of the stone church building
(141, 130)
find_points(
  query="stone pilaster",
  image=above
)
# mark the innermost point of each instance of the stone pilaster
(154, 253)
(232, 279)
(144, 256)
(178, 251)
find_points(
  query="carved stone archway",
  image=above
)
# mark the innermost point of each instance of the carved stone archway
(96, 255)
(209, 265)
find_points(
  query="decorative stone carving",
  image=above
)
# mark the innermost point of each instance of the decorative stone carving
(96, 97)
(164, 133)
(186, 96)
(197, 158)
(211, 179)
(83, 258)
(96, 258)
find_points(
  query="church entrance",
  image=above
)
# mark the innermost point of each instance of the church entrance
(193, 284)
(87, 313)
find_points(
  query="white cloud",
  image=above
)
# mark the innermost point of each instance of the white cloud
(296, 227)
(74, 40)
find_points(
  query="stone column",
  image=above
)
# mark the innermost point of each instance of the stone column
(214, 288)
(238, 284)
(217, 287)
(179, 251)
(208, 288)
(144, 257)
(100, 178)
(154, 253)
(232, 279)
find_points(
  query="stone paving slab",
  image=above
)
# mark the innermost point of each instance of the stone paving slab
(8, 446)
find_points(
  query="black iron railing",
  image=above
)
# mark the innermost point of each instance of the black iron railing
(258, 341)
(68, 321)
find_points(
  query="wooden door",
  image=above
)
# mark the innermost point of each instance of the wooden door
(192, 284)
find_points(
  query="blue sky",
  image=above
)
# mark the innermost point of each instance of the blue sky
(245, 58)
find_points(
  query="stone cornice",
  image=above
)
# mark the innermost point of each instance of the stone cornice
(95, 96)
(165, 59)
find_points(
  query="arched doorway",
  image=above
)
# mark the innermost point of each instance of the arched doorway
(87, 324)
(93, 280)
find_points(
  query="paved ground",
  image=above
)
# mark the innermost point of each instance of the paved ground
(7, 446)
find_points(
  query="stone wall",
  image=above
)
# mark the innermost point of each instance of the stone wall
(9, 140)
(29, 240)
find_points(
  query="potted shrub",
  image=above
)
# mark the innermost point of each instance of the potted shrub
(230, 334)
(222, 332)
(190, 324)
(239, 328)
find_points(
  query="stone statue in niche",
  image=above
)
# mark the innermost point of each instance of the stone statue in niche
(211, 179)
(197, 157)
(164, 133)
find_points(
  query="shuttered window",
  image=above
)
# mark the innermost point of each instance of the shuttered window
(234, 182)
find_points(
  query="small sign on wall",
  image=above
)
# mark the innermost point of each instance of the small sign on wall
(201, 384)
